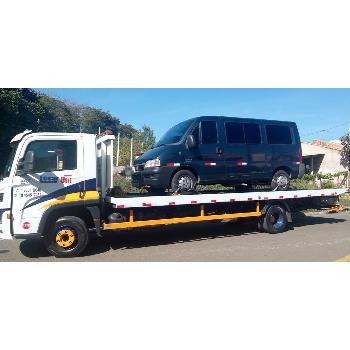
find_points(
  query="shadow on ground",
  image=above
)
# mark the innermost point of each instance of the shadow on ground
(172, 234)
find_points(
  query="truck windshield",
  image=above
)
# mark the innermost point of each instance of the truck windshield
(174, 134)
(10, 158)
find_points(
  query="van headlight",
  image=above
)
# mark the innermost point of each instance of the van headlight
(152, 163)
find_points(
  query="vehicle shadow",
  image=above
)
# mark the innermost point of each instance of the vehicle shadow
(172, 234)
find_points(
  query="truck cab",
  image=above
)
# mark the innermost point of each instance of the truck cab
(48, 175)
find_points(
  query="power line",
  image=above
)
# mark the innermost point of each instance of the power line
(324, 130)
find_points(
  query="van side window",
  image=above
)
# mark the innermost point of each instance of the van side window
(278, 134)
(209, 132)
(252, 133)
(53, 155)
(234, 132)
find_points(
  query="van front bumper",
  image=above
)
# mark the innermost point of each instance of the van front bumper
(155, 177)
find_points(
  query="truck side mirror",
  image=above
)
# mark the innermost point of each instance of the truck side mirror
(26, 166)
(190, 142)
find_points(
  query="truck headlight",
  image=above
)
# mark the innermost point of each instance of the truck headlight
(152, 163)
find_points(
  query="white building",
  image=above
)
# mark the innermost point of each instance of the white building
(322, 157)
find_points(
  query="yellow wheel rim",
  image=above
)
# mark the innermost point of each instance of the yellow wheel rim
(65, 238)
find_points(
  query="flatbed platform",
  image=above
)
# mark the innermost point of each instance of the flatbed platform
(142, 201)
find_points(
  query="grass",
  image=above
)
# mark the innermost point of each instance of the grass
(345, 200)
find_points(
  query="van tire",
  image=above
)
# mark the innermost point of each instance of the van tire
(280, 181)
(68, 238)
(183, 181)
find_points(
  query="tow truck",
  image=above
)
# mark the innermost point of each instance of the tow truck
(59, 187)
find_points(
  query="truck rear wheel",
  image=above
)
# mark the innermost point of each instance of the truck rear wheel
(68, 238)
(275, 220)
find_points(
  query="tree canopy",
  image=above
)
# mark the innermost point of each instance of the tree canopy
(22, 109)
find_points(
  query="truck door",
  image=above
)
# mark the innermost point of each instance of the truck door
(207, 158)
(54, 177)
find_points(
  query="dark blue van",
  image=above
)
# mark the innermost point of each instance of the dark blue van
(221, 150)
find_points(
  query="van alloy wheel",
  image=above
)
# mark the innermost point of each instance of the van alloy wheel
(280, 181)
(183, 181)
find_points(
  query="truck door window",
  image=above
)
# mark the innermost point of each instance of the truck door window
(53, 155)
(209, 132)
(278, 134)
(234, 132)
(252, 133)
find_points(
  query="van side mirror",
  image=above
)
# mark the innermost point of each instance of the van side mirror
(190, 142)
(26, 166)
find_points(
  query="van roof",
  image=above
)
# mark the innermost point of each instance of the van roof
(247, 118)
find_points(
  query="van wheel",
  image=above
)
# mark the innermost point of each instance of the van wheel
(183, 181)
(68, 238)
(280, 181)
(275, 220)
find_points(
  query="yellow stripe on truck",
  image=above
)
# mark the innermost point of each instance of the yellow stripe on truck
(73, 197)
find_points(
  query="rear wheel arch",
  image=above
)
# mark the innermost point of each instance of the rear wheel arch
(284, 168)
(283, 204)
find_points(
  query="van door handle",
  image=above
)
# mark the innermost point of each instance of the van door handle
(219, 150)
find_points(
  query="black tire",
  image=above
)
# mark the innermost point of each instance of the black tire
(183, 181)
(275, 220)
(280, 181)
(68, 238)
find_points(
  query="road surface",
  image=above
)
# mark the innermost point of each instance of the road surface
(315, 237)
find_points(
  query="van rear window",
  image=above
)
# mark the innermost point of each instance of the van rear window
(278, 134)
(252, 133)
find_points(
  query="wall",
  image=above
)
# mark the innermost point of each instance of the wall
(331, 158)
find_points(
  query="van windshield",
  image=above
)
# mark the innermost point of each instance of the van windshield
(174, 134)
(10, 158)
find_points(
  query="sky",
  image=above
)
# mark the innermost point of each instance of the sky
(319, 113)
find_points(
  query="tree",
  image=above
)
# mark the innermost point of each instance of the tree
(93, 120)
(345, 154)
(59, 115)
(20, 109)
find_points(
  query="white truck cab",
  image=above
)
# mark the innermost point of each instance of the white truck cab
(45, 171)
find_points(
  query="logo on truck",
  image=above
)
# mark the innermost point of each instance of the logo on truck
(48, 179)
(66, 179)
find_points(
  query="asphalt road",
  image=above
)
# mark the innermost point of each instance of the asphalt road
(315, 237)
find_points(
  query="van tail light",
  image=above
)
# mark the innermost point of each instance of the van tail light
(300, 155)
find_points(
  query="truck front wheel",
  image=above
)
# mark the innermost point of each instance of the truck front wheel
(68, 238)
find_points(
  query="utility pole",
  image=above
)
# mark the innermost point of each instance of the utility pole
(348, 155)
(118, 143)
(131, 141)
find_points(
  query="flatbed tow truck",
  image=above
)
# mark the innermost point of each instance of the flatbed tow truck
(58, 186)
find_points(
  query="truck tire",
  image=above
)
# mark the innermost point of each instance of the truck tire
(280, 181)
(68, 238)
(275, 220)
(183, 181)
